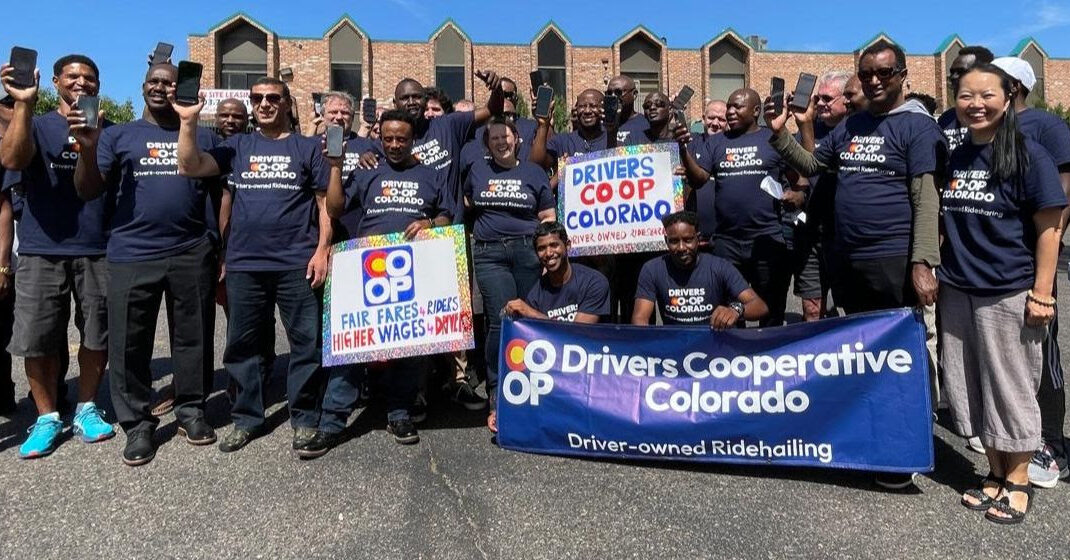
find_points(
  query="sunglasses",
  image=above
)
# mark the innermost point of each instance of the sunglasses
(272, 98)
(618, 92)
(882, 74)
(827, 99)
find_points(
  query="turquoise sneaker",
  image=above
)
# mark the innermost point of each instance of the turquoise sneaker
(90, 426)
(42, 440)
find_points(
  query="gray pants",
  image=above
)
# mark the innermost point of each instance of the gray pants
(991, 362)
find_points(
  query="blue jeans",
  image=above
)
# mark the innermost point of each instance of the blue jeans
(505, 269)
(340, 396)
(252, 297)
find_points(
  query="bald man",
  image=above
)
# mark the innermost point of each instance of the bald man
(701, 201)
(748, 232)
(713, 117)
(629, 121)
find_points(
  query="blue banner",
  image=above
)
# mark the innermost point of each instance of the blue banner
(850, 392)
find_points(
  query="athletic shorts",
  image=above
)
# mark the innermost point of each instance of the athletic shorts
(44, 286)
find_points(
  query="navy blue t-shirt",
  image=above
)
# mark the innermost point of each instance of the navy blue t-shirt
(439, 146)
(738, 163)
(273, 218)
(157, 213)
(688, 297)
(642, 137)
(876, 157)
(507, 202)
(568, 144)
(1049, 131)
(954, 133)
(989, 236)
(388, 199)
(703, 200)
(346, 226)
(55, 221)
(586, 291)
(634, 126)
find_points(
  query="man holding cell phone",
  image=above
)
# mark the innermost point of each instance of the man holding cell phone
(278, 239)
(159, 248)
(63, 241)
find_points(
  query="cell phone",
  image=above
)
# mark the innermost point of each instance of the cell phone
(335, 144)
(776, 93)
(683, 98)
(368, 108)
(610, 109)
(317, 103)
(537, 79)
(89, 105)
(804, 88)
(24, 62)
(543, 96)
(162, 53)
(189, 83)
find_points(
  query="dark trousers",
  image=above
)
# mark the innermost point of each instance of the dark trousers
(862, 285)
(252, 297)
(765, 263)
(340, 396)
(186, 283)
(1052, 395)
(399, 381)
(7, 321)
(505, 270)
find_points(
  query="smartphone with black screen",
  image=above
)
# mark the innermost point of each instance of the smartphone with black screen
(683, 98)
(537, 79)
(368, 109)
(543, 96)
(804, 88)
(188, 86)
(335, 141)
(776, 93)
(610, 109)
(24, 61)
(317, 103)
(162, 53)
(89, 105)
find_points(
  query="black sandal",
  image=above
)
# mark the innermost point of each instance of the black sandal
(1003, 505)
(984, 501)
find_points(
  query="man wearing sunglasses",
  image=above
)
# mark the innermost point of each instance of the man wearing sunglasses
(628, 121)
(277, 242)
(887, 207)
(967, 58)
(159, 248)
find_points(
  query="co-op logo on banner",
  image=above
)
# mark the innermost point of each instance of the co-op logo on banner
(521, 356)
(388, 276)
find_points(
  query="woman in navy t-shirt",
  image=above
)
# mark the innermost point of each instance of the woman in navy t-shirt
(507, 198)
(1000, 212)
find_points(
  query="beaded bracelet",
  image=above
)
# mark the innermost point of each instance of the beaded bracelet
(1033, 298)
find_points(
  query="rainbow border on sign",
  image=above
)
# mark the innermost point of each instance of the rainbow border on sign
(454, 233)
(622, 248)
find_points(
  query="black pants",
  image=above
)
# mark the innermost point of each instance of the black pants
(7, 321)
(623, 283)
(1052, 395)
(186, 283)
(862, 285)
(765, 263)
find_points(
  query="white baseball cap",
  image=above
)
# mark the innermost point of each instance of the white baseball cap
(1018, 69)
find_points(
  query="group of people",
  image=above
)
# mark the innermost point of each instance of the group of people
(884, 206)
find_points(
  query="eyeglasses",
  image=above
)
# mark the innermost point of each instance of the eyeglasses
(272, 98)
(882, 74)
(828, 99)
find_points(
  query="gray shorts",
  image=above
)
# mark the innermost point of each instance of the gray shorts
(44, 286)
(991, 363)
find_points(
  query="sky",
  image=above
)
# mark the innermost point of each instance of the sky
(118, 35)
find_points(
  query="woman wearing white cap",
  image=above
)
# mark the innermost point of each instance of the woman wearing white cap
(1000, 216)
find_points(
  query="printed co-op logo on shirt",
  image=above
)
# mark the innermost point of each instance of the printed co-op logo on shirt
(865, 149)
(399, 192)
(969, 184)
(688, 300)
(743, 156)
(70, 150)
(432, 154)
(388, 276)
(503, 188)
(269, 167)
(566, 313)
(160, 154)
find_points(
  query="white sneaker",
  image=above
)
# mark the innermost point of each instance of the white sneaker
(974, 444)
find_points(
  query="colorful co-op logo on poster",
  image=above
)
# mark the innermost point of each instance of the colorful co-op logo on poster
(388, 276)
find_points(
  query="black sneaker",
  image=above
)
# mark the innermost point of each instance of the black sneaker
(418, 410)
(319, 445)
(139, 448)
(197, 432)
(302, 436)
(462, 393)
(404, 431)
(236, 439)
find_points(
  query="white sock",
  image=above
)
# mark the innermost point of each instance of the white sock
(50, 416)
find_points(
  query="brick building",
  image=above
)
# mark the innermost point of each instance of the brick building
(239, 49)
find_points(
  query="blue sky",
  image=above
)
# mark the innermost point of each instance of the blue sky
(118, 35)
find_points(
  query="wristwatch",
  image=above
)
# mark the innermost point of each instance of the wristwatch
(7, 271)
(737, 307)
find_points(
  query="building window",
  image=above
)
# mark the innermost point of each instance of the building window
(1035, 58)
(347, 56)
(551, 61)
(640, 60)
(450, 74)
(728, 69)
(243, 56)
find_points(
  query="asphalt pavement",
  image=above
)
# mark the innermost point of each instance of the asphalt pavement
(457, 495)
